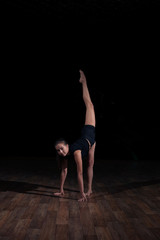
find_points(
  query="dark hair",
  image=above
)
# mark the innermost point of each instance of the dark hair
(60, 140)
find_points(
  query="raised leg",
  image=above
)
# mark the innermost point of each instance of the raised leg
(90, 113)
(90, 169)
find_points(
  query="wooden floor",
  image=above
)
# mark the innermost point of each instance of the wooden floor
(125, 204)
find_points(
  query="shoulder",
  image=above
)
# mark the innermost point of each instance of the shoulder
(77, 152)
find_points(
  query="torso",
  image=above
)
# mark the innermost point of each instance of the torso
(81, 144)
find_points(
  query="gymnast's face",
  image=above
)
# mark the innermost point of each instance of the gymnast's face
(62, 149)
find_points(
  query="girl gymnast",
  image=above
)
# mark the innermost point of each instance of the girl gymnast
(83, 147)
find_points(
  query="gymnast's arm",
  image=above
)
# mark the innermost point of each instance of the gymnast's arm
(64, 167)
(78, 159)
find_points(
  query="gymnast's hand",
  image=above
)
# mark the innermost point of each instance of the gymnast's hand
(59, 194)
(83, 198)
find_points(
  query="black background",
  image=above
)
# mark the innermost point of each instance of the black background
(43, 46)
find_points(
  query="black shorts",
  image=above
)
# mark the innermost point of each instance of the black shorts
(88, 132)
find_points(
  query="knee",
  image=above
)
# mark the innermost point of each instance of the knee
(90, 105)
(90, 163)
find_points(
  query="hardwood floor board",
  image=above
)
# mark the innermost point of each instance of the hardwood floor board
(25, 201)
(16, 200)
(4, 215)
(9, 226)
(126, 208)
(39, 216)
(147, 221)
(155, 218)
(103, 233)
(30, 211)
(48, 229)
(32, 234)
(121, 217)
(155, 203)
(74, 209)
(156, 232)
(53, 204)
(130, 231)
(5, 204)
(113, 203)
(4, 238)
(75, 229)
(144, 206)
(96, 214)
(86, 220)
(130, 193)
(63, 213)
(2, 196)
(45, 199)
(20, 229)
(34, 200)
(18, 212)
(62, 232)
(92, 237)
(108, 214)
(74, 195)
(144, 232)
(125, 205)
(116, 230)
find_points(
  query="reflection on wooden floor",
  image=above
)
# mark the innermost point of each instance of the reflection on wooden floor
(125, 204)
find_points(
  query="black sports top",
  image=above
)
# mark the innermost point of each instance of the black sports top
(87, 133)
(81, 144)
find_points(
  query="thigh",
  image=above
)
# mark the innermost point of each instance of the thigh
(90, 116)
(91, 154)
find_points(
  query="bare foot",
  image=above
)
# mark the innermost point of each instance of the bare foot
(82, 77)
(59, 194)
(83, 198)
(89, 193)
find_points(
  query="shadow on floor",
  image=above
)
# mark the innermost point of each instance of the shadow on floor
(132, 185)
(24, 187)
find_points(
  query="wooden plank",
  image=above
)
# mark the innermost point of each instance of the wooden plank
(155, 219)
(53, 204)
(48, 230)
(16, 200)
(108, 214)
(156, 232)
(32, 207)
(103, 233)
(143, 232)
(63, 213)
(120, 208)
(121, 217)
(39, 216)
(74, 209)
(32, 234)
(20, 229)
(96, 214)
(75, 229)
(86, 220)
(62, 232)
(9, 225)
(130, 231)
(4, 215)
(117, 231)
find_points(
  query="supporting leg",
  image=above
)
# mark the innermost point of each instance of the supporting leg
(90, 169)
